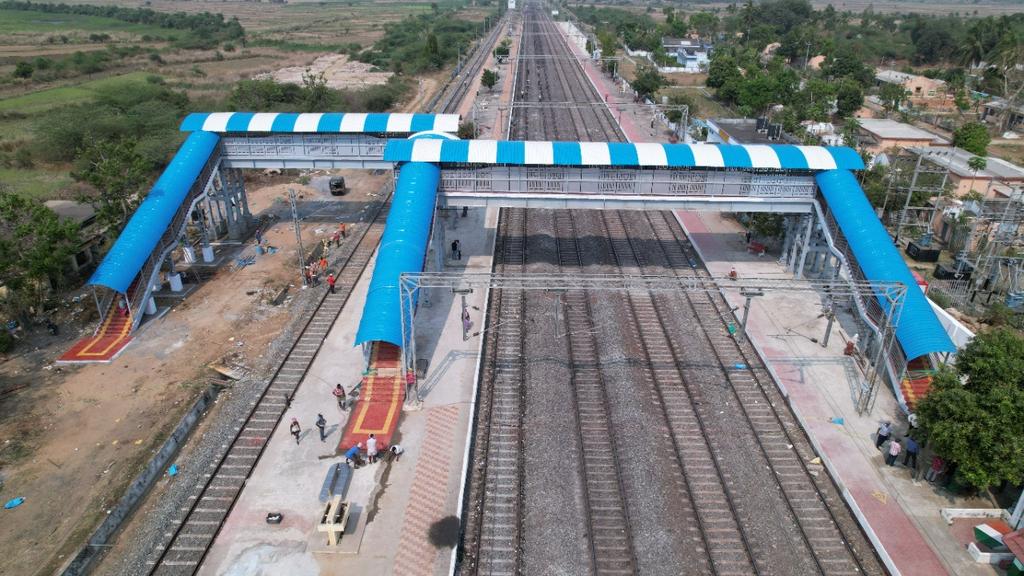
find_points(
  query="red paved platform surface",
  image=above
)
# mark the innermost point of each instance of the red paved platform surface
(113, 335)
(380, 399)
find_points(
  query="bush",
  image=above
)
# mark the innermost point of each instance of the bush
(6, 341)
(23, 69)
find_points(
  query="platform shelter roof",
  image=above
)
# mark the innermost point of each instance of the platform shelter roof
(623, 154)
(319, 123)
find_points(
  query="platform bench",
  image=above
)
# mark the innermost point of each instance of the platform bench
(333, 520)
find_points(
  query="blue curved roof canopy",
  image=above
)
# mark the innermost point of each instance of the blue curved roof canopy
(760, 157)
(402, 249)
(149, 222)
(323, 123)
(918, 331)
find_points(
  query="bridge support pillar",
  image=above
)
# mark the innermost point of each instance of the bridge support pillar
(804, 246)
(151, 306)
(174, 279)
(438, 241)
(207, 253)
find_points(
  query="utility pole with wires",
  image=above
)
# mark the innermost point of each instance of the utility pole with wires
(298, 236)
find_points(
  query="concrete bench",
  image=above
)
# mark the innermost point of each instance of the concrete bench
(333, 520)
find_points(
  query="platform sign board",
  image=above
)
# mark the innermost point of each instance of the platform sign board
(511, 4)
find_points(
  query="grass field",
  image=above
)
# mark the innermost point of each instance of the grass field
(26, 23)
(38, 183)
(39, 102)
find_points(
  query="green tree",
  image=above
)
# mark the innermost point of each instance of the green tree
(316, 96)
(722, 70)
(849, 97)
(648, 81)
(994, 357)
(118, 172)
(892, 96)
(971, 416)
(35, 246)
(705, 24)
(489, 78)
(433, 50)
(977, 164)
(972, 137)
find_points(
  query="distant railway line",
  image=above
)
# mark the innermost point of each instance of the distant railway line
(672, 449)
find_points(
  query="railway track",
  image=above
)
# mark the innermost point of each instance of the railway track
(611, 542)
(734, 474)
(450, 104)
(493, 535)
(186, 548)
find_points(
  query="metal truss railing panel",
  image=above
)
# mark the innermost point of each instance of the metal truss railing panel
(303, 147)
(555, 201)
(626, 181)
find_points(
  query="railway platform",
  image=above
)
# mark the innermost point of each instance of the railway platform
(903, 513)
(397, 507)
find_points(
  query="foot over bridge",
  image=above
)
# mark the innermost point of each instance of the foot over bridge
(831, 230)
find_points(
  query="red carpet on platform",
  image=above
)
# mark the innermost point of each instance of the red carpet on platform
(380, 399)
(113, 335)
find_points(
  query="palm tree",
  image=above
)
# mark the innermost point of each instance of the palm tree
(976, 163)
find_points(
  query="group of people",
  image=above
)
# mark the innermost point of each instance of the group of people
(910, 449)
(296, 428)
(314, 270)
(354, 455)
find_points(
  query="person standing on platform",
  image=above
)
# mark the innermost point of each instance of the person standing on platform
(911, 449)
(330, 282)
(894, 452)
(456, 250)
(884, 431)
(371, 449)
(259, 236)
(296, 430)
(747, 236)
(339, 393)
(395, 452)
(321, 423)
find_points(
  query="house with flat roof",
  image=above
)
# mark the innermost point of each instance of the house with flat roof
(995, 112)
(84, 216)
(924, 92)
(878, 135)
(998, 180)
(692, 55)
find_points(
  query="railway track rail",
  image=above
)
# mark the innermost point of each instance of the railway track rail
(736, 471)
(187, 546)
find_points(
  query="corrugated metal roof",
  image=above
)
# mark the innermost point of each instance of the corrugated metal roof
(784, 157)
(331, 122)
(403, 248)
(919, 331)
(143, 231)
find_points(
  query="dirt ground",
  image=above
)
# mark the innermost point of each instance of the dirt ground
(339, 72)
(71, 438)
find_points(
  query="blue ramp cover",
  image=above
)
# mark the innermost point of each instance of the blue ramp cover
(143, 231)
(918, 331)
(402, 249)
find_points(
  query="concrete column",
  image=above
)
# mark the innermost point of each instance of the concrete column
(804, 247)
(175, 281)
(439, 243)
(207, 253)
(190, 254)
(787, 238)
(794, 246)
(151, 306)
